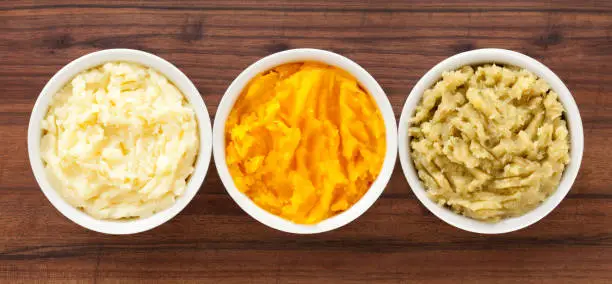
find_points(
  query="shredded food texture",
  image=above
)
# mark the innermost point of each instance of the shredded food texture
(490, 142)
(304, 141)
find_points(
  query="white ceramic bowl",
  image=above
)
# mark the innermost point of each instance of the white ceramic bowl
(62, 77)
(500, 56)
(300, 55)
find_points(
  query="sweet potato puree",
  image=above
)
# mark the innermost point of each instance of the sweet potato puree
(304, 141)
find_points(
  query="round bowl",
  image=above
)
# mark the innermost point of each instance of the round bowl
(502, 56)
(61, 78)
(299, 55)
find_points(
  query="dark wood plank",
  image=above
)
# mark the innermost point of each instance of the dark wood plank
(397, 240)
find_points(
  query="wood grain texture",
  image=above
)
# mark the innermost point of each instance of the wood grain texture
(397, 240)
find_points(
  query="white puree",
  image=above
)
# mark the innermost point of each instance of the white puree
(119, 141)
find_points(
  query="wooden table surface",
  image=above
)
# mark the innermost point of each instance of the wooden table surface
(397, 239)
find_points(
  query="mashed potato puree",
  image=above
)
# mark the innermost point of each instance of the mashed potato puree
(119, 141)
(490, 142)
(304, 141)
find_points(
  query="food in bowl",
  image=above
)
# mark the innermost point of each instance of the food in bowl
(119, 141)
(490, 142)
(304, 141)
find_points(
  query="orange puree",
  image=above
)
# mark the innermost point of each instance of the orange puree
(304, 141)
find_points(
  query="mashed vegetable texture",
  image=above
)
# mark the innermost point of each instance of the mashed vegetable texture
(119, 141)
(490, 143)
(304, 141)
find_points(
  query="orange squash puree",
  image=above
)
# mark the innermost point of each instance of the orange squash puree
(304, 141)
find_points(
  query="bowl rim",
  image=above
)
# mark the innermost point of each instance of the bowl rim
(300, 55)
(97, 58)
(501, 56)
